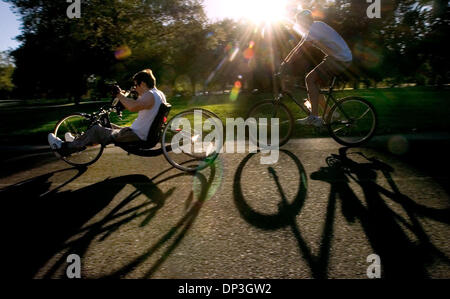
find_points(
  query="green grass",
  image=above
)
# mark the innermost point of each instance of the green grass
(400, 110)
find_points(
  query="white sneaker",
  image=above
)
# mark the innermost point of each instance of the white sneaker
(55, 142)
(68, 137)
(311, 121)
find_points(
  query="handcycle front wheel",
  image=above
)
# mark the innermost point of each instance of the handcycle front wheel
(352, 121)
(271, 115)
(71, 127)
(195, 139)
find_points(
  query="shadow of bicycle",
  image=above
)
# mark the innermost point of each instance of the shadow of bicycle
(386, 230)
(271, 204)
(52, 224)
(279, 205)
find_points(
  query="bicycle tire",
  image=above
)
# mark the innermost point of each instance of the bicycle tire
(352, 141)
(69, 159)
(287, 131)
(203, 161)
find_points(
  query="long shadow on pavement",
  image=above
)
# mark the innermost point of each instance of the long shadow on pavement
(287, 213)
(45, 222)
(400, 257)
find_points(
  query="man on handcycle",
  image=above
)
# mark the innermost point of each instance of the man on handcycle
(147, 106)
(338, 58)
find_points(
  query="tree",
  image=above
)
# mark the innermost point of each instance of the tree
(59, 54)
(6, 71)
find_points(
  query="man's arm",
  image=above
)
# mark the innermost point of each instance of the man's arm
(143, 103)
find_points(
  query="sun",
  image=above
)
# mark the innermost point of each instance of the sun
(264, 10)
(257, 11)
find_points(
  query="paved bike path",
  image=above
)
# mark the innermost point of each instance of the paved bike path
(305, 217)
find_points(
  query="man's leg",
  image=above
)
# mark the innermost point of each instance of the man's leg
(319, 75)
(95, 135)
(314, 96)
(124, 135)
(313, 80)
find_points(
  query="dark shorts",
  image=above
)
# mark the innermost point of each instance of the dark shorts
(329, 68)
(124, 135)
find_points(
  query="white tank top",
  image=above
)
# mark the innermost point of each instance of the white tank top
(145, 118)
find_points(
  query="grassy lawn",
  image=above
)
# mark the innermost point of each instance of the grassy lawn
(400, 110)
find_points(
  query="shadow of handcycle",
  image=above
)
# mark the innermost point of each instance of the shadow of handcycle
(59, 223)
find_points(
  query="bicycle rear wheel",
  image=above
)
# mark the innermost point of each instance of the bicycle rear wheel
(195, 137)
(352, 121)
(275, 117)
(71, 127)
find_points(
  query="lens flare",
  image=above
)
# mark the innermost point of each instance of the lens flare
(236, 90)
(213, 176)
(398, 145)
(122, 52)
(318, 14)
(369, 54)
(233, 54)
(228, 48)
(249, 52)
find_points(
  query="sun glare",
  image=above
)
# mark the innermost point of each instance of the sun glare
(255, 10)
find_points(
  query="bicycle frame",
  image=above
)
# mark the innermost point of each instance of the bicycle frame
(327, 93)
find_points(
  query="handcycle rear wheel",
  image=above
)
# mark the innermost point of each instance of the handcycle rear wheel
(200, 133)
(71, 127)
(352, 121)
(262, 113)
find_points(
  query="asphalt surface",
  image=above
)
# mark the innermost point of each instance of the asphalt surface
(319, 212)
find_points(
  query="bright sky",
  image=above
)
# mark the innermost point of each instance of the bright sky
(257, 10)
(9, 26)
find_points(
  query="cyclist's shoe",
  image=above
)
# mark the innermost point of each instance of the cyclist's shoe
(55, 142)
(69, 137)
(311, 121)
(59, 147)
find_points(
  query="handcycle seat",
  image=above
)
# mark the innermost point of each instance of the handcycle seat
(144, 148)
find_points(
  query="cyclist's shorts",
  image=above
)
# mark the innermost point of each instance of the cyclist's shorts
(330, 67)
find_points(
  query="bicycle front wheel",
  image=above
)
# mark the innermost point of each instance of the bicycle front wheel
(195, 139)
(74, 126)
(352, 121)
(275, 118)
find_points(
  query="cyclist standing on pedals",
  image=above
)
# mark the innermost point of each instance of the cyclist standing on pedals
(147, 105)
(338, 58)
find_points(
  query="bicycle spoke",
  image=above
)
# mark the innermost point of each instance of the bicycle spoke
(367, 111)
(352, 121)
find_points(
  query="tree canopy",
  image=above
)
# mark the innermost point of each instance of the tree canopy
(113, 39)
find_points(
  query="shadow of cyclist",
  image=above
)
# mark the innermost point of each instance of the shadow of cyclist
(400, 257)
(176, 234)
(52, 221)
(286, 215)
(28, 207)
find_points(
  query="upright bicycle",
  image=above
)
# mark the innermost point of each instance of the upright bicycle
(351, 121)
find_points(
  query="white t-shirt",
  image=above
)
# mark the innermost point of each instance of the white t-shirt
(329, 41)
(145, 118)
